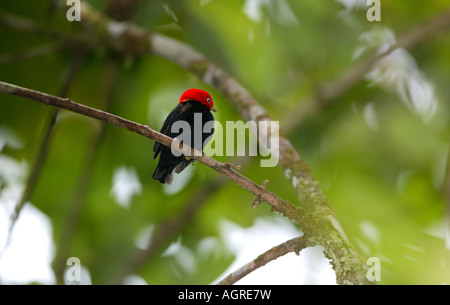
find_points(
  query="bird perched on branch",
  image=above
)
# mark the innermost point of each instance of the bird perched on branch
(191, 122)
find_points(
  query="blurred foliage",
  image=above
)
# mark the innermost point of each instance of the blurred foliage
(380, 161)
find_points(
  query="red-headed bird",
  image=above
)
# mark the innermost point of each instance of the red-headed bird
(193, 103)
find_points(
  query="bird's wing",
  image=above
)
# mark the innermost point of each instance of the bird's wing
(207, 136)
(176, 114)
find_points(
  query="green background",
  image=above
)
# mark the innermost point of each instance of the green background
(381, 158)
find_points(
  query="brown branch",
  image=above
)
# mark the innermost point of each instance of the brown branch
(281, 206)
(293, 245)
(331, 91)
(430, 29)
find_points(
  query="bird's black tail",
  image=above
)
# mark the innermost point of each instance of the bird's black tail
(163, 175)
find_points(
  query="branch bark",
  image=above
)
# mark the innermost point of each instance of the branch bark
(296, 245)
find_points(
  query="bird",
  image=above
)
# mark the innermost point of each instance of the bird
(193, 103)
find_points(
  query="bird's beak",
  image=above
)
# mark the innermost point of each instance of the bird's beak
(213, 109)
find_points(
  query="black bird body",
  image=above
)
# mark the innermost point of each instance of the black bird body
(184, 111)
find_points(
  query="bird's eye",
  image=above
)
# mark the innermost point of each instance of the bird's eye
(208, 100)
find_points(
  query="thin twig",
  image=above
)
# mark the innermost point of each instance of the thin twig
(296, 245)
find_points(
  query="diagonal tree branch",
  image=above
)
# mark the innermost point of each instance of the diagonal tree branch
(283, 207)
(331, 91)
(296, 245)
